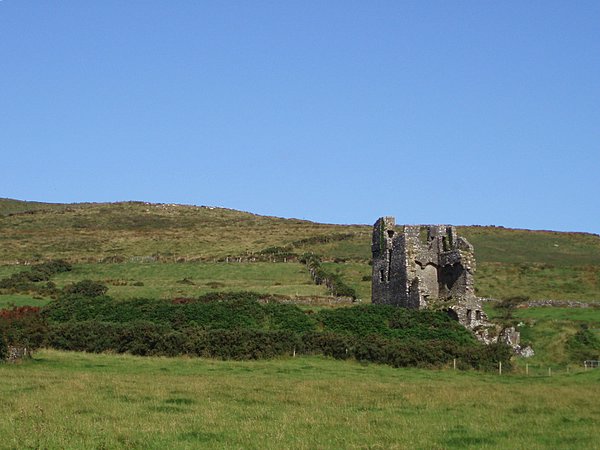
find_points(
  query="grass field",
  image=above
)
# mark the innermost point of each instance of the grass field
(9, 300)
(548, 329)
(75, 400)
(538, 281)
(170, 280)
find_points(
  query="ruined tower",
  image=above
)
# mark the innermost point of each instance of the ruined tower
(425, 266)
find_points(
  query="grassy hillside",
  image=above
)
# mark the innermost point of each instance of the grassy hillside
(95, 232)
(538, 264)
(77, 400)
(31, 230)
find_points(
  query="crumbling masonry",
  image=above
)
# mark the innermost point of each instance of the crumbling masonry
(425, 266)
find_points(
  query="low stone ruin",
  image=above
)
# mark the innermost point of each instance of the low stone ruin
(15, 354)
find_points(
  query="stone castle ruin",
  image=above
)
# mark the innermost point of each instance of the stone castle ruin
(425, 266)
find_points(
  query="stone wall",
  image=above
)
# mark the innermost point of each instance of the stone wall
(15, 354)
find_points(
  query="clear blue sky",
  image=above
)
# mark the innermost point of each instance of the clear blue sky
(463, 112)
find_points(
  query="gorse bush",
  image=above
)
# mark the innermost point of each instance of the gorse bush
(392, 322)
(23, 326)
(240, 310)
(86, 288)
(239, 326)
(147, 338)
(30, 280)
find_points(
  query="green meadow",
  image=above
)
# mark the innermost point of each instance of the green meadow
(76, 400)
(9, 300)
(70, 400)
(170, 280)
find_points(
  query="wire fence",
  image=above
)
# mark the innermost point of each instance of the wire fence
(549, 370)
(543, 370)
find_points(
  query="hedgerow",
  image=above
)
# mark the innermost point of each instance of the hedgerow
(320, 275)
(240, 310)
(239, 326)
(147, 338)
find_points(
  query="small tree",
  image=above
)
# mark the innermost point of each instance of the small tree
(508, 305)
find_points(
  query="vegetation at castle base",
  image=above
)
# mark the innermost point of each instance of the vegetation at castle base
(147, 338)
(245, 310)
(392, 322)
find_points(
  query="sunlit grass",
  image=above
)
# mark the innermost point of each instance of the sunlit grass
(169, 280)
(74, 400)
(9, 300)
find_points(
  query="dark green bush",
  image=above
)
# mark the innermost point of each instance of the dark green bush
(392, 322)
(146, 338)
(86, 288)
(328, 344)
(23, 326)
(238, 326)
(238, 310)
(28, 280)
